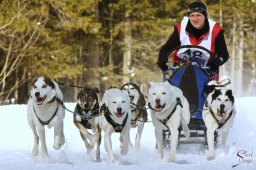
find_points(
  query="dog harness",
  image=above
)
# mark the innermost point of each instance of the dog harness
(86, 117)
(142, 112)
(52, 100)
(46, 122)
(219, 123)
(116, 126)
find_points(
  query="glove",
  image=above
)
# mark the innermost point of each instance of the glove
(215, 63)
(162, 65)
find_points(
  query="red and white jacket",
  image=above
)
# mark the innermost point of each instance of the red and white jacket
(206, 40)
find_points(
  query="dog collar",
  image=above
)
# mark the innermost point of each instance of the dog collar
(94, 112)
(56, 99)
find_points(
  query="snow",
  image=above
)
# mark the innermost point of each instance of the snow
(16, 142)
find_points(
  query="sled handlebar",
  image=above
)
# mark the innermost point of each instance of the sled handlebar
(172, 68)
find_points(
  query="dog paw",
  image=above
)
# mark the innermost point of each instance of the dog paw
(89, 147)
(45, 153)
(58, 143)
(113, 161)
(35, 152)
(171, 158)
(209, 158)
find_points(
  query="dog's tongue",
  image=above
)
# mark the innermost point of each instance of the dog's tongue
(40, 100)
(223, 116)
(119, 114)
(222, 119)
(158, 107)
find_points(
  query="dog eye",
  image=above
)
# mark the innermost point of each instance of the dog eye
(114, 102)
(218, 99)
(154, 93)
(226, 100)
(164, 93)
(123, 101)
(132, 88)
(44, 86)
(34, 87)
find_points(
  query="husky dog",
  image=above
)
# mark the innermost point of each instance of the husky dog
(219, 112)
(85, 119)
(138, 109)
(45, 108)
(168, 108)
(115, 117)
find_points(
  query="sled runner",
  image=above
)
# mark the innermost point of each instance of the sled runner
(191, 77)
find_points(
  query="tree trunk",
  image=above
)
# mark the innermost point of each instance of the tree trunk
(91, 52)
(240, 58)
(233, 54)
(127, 49)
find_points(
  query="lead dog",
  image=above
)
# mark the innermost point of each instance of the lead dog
(86, 120)
(219, 112)
(168, 108)
(115, 117)
(138, 110)
(43, 109)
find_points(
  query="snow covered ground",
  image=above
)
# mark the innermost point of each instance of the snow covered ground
(16, 142)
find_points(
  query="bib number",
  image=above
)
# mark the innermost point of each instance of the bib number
(195, 56)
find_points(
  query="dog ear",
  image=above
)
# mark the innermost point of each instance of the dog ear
(121, 88)
(79, 94)
(53, 94)
(230, 96)
(209, 88)
(150, 84)
(216, 94)
(49, 82)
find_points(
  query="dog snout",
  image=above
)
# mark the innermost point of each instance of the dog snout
(157, 101)
(222, 106)
(119, 109)
(37, 94)
(86, 105)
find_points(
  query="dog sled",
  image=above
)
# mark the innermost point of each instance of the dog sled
(192, 78)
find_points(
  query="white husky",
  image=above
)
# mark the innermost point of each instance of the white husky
(44, 108)
(115, 117)
(168, 108)
(219, 112)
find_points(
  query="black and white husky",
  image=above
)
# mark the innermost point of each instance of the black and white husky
(44, 108)
(138, 109)
(85, 119)
(219, 112)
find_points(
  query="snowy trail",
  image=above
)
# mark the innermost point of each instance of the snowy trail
(16, 142)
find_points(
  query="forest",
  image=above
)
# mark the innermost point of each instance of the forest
(106, 43)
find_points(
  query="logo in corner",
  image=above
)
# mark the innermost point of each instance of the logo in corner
(244, 156)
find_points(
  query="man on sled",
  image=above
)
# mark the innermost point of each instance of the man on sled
(197, 47)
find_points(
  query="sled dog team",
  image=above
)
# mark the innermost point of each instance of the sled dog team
(122, 109)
